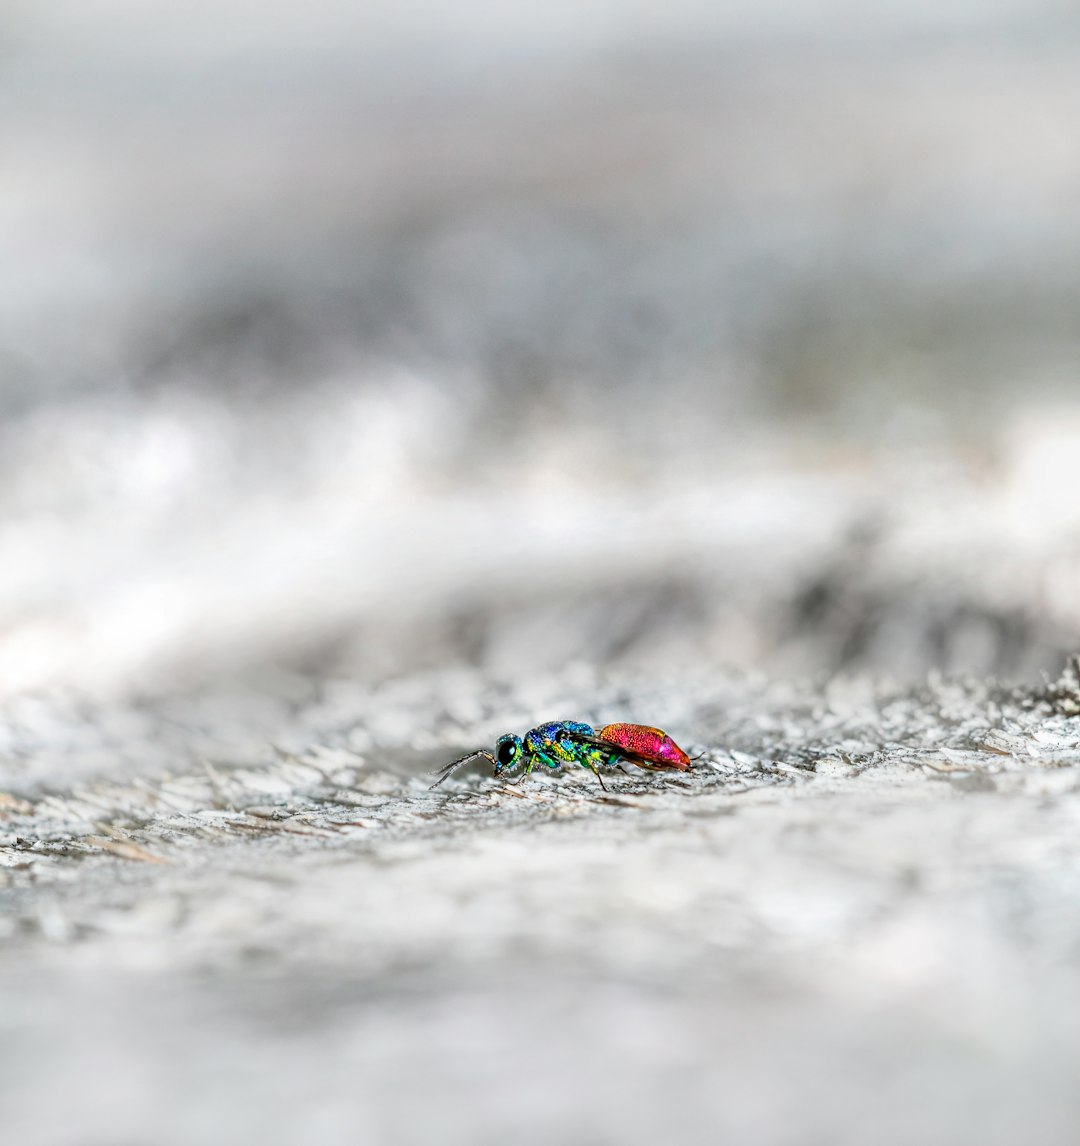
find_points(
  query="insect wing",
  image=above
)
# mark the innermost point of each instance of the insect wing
(640, 743)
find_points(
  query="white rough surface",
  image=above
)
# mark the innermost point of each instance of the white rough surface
(855, 922)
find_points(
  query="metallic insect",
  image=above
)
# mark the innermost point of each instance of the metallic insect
(569, 742)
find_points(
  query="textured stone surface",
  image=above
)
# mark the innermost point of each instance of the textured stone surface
(374, 382)
(856, 921)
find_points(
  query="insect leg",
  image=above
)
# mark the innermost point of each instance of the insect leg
(533, 759)
(614, 760)
(586, 761)
(539, 757)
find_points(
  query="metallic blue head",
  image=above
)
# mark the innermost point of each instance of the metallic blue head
(507, 752)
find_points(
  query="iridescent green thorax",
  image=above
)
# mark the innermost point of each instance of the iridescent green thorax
(558, 743)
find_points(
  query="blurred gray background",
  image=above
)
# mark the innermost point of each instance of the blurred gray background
(352, 339)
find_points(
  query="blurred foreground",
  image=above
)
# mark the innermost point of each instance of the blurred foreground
(854, 921)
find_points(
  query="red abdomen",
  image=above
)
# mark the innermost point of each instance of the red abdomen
(648, 743)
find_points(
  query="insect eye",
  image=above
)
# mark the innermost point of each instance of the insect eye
(506, 752)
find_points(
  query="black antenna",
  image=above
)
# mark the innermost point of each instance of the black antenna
(449, 769)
